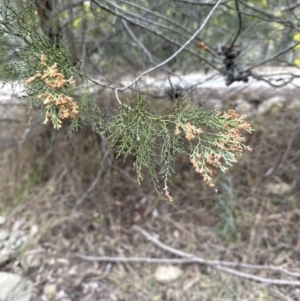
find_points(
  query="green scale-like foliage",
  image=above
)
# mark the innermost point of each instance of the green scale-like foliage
(210, 139)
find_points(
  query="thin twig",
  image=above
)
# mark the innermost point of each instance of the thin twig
(240, 24)
(181, 48)
(189, 261)
(190, 258)
(220, 265)
(176, 52)
(193, 259)
(274, 56)
(154, 31)
(138, 259)
(258, 278)
(143, 47)
(214, 262)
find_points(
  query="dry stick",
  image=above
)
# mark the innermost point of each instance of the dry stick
(190, 258)
(139, 259)
(186, 261)
(193, 259)
(213, 262)
(143, 47)
(274, 56)
(219, 265)
(240, 24)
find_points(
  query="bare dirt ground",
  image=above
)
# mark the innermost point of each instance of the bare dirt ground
(47, 183)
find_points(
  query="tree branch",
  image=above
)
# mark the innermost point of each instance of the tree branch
(240, 24)
(225, 266)
(174, 54)
(220, 265)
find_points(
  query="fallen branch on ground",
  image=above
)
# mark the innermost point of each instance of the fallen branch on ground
(224, 266)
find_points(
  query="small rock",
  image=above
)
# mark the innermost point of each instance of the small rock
(216, 104)
(5, 255)
(91, 287)
(176, 234)
(2, 220)
(155, 213)
(73, 271)
(278, 188)
(15, 243)
(11, 244)
(294, 104)
(243, 107)
(62, 296)
(34, 230)
(63, 261)
(13, 287)
(167, 274)
(51, 261)
(272, 105)
(30, 261)
(50, 291)
(3, 235)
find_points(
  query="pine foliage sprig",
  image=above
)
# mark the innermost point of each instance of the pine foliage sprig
(212, 140)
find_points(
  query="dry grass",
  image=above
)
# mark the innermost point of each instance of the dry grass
(42, 183)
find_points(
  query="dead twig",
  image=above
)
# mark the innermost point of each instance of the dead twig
(221, 265)
(193, 259)
(225, 266)
(138, 259)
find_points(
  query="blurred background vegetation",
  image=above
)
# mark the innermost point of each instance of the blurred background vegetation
(111, 37)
